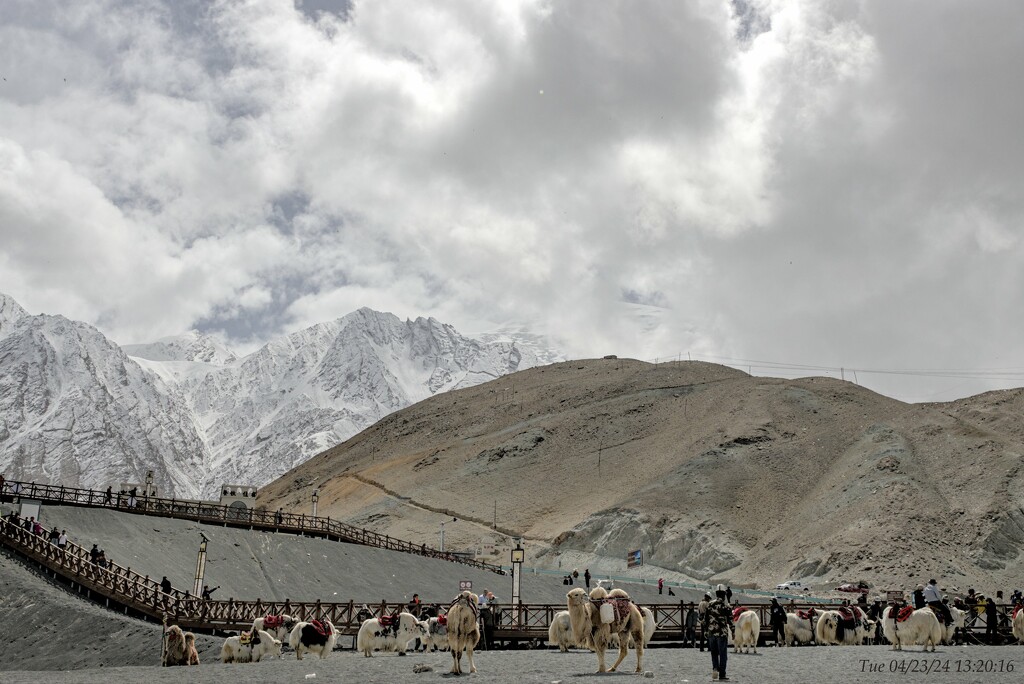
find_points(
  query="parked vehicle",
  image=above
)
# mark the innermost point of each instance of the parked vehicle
(791, 586)
(856, 588)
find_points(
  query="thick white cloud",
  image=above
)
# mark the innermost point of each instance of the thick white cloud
(824, 182)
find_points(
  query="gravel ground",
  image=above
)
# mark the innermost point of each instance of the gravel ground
(769, 666)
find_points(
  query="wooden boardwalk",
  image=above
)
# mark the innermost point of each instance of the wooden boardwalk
(228, 516)
(123, 590)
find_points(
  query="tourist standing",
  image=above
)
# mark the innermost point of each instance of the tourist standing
(62, 540)
(777, 619)
(586, 577)
(702, 610)
(991, 622)
(661, 584)
(490, 620)
(718, 626)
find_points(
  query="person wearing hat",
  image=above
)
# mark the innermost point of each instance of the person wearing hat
(934, 600)
(718, 626)
(702, 610)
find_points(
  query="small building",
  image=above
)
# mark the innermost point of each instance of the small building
(238, 496)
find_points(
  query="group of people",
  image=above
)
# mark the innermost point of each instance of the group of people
(99, 557)
(58, 538)
(975, 604)
(571, 578)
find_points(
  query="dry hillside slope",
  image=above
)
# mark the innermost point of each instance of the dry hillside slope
(713, 473)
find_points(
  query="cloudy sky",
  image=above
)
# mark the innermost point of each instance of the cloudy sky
(806, 182)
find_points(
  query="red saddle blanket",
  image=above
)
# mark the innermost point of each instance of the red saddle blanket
(322, 628)
(273, 621)
(904, 613)
(621, 606)
(806, 614)
(736, 613)
(1016, 609)
(389, 620)
(847, 614)
(442, 619)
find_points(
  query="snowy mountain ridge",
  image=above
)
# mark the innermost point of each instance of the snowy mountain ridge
(78, 410)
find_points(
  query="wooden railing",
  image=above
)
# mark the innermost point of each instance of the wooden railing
(214, 513)
(143, 596)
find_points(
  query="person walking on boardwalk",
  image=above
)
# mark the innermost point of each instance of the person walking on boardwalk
(165, 585)
(718, 626)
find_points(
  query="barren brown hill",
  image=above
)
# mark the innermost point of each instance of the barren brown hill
(713, 473)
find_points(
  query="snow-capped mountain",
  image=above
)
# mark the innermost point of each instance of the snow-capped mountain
(303, 393)
(10, 312)
(78, 410)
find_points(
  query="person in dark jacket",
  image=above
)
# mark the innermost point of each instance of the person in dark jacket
(991, 622)
(165, 585)
(919, 600)
(586, 577)
(777, 619)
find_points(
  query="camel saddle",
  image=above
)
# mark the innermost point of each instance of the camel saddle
(904, 613)
(621, 606)
(322, 628)
(736, 612)
(806, 614)
(250, 638)
(273, 621)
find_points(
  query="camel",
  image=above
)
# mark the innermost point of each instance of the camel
(595, 618)
(463, 630)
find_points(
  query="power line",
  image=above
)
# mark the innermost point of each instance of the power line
(1013, 373)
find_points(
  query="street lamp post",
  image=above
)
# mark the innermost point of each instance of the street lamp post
(518, 555)
(442, 538)
(200, 566)
(316, 498)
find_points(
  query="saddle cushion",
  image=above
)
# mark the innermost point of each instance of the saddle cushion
(904, 613)
(322, 628)
(736, 613)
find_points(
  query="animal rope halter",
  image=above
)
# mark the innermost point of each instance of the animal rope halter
(463, 599)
